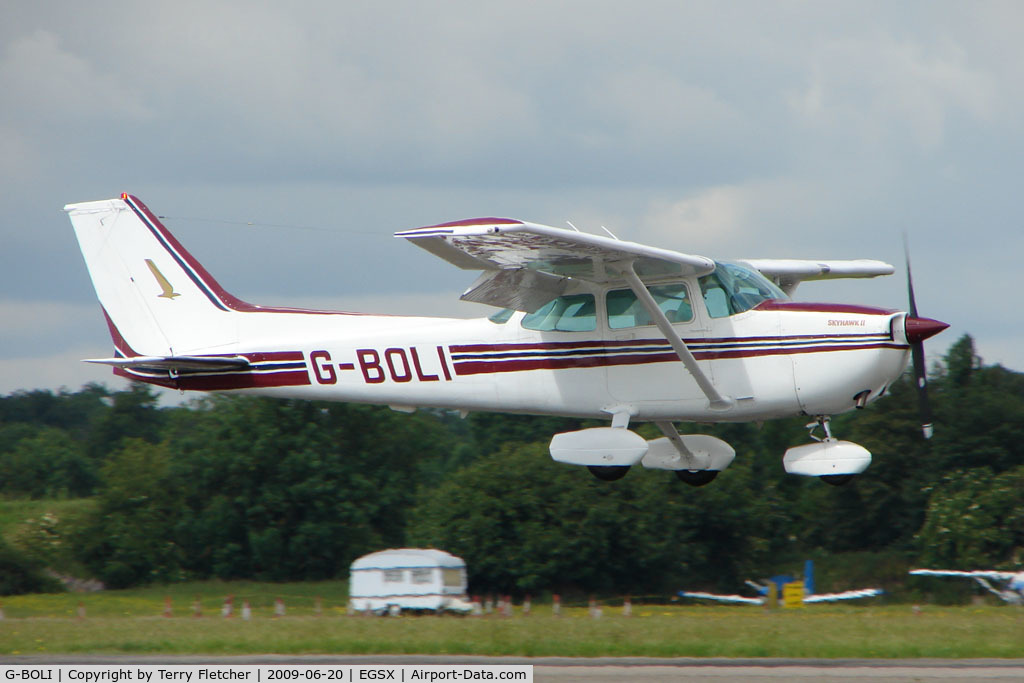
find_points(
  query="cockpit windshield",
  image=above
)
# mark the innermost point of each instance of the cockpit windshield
(732, 289)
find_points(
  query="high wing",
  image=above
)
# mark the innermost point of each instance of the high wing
(809, 599)
(721, 598)
(845, 595)
(788, 273)
(526, 265)
(983, 574)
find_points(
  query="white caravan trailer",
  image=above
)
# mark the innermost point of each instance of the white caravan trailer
(389, 581)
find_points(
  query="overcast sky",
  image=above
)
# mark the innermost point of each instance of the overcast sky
(286, 142)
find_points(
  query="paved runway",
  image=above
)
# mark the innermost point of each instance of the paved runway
(645, 669)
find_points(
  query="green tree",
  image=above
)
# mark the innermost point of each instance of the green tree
(47, 463)
(524, 523)
(295, 489)
(21, 574)
(129, 539)
(132, 414)
(975, 520)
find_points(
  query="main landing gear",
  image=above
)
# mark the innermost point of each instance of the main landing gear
(697, 477)
(609, 472)
(609, 452)
(696, 459)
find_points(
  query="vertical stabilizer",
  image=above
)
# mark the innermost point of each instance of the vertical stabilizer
(158, 299)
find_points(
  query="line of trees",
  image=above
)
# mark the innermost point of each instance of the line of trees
(237, 487)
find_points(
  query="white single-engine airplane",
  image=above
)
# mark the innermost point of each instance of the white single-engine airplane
(764, 592)
(1013, 582)
(590, 326)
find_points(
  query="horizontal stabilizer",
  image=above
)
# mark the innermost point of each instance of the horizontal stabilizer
(175, 365)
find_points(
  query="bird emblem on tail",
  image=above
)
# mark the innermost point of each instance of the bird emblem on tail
(166, 289)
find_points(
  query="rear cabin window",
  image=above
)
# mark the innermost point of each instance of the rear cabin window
(625, 310)
(570, 313)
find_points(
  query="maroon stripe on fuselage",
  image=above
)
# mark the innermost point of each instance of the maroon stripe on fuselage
(753, 353)
(612, 344)
(226, 382)
(553, 346)
(483, 366)
(807, 307)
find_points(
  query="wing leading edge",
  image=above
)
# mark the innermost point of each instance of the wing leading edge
(526, 264)
(788, 273)
(808, 599)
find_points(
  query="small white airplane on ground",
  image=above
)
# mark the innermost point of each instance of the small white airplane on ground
(589, 326)
(1013, 582)
(763, 591)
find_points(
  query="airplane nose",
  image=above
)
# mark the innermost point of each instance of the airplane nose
(919, 329)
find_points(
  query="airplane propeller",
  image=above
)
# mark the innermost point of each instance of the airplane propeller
(917, 330)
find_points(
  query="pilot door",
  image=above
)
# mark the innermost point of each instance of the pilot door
(642, 367)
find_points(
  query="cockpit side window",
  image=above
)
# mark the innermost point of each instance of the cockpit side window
(732, 289)
(570, 313)
(624, 310)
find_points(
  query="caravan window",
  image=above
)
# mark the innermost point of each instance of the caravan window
(452, 577)
(422, 575)
(393, 576)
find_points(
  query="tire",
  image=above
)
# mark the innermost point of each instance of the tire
(697, 477)
(609, 472)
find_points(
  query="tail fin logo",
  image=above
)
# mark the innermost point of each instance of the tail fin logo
(166, 290)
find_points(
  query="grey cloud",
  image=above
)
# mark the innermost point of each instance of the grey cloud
(731, 129)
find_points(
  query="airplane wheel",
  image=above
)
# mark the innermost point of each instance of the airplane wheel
(697, 477)
(608, 472)
(836, 479)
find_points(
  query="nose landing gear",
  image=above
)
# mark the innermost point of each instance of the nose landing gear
(834, 461)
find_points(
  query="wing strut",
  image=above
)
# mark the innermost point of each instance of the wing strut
(718, 402)
(672, 434)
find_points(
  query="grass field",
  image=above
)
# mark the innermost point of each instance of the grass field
(131, 622)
